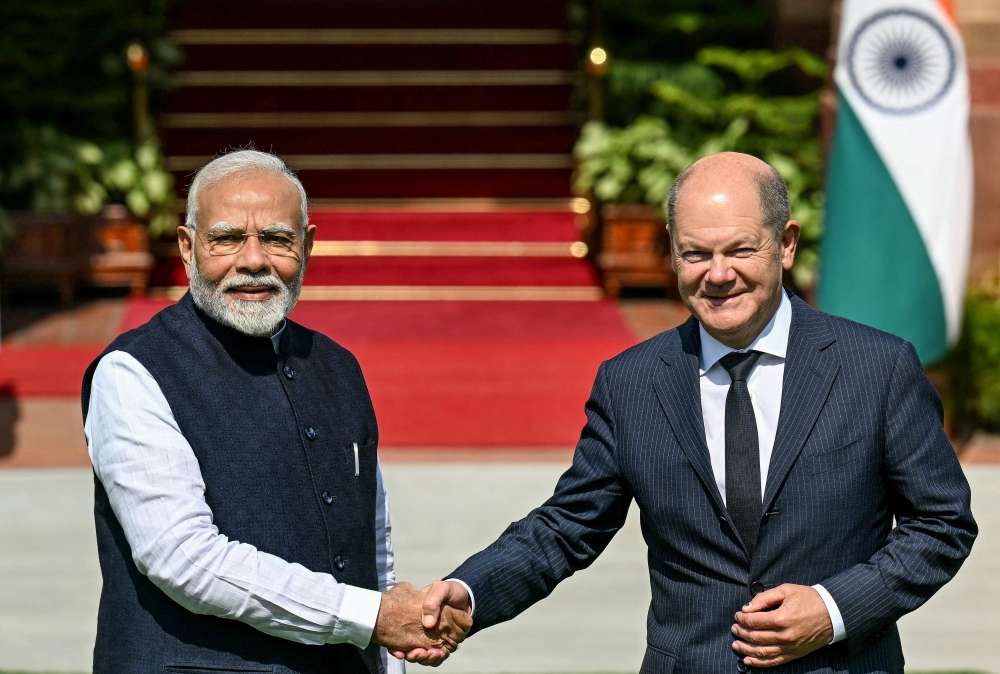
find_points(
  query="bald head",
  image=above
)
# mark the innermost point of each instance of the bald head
(736, 169)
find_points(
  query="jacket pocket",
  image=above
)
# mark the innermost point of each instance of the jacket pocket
(657, 662)
(834, 458)
(212, 669)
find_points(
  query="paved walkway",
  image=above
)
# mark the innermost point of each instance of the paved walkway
(595, 621)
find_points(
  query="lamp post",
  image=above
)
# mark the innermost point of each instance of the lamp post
(138, 62)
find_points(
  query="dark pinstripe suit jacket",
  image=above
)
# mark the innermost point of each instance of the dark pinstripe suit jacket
(859, 442)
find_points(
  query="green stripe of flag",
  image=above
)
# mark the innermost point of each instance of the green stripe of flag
(875, 267)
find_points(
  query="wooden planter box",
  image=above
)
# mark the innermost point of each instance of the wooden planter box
(61, 251)
(120, 256)
(634, 249)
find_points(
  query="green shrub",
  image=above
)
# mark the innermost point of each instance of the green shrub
(974, 365)
(67, 175)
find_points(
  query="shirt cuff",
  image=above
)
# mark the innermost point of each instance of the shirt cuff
(839, 631)
(472, 597)
(357, 616)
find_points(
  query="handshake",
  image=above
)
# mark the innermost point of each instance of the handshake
(424, 626)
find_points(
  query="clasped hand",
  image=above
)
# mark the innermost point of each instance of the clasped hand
(781, 625)
(406, 630)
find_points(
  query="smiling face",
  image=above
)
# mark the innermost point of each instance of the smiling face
(729, 265)
(253, 288)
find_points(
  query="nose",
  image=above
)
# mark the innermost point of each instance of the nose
(251, 258)
(721, 272)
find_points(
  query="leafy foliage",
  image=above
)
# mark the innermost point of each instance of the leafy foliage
(648, 37)
(974, 365)
(64, 174)
(63, 77)
(758, 102)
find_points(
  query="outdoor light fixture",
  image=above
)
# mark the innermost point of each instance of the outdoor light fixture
(136, 57)
(597, 62)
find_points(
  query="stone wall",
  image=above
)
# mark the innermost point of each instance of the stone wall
(980, 20)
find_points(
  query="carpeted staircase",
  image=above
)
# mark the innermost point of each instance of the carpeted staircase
(434, 138)
(374, 99)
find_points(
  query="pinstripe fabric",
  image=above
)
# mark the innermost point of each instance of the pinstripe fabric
(859, 441)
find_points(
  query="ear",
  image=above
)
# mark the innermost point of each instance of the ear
(789, 244)
(185, 241)
(308, 243)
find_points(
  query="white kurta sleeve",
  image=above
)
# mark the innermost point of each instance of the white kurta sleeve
(157, 492)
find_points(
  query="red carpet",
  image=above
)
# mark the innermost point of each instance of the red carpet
(44, 370)
(441, 374)
(444, 226)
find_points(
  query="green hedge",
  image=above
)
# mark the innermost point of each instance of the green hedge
(974, 365)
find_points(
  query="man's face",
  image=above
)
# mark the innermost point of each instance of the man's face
(728, 265)
(253, 288)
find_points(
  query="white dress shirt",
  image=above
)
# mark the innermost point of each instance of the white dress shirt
(157, 492)
(764, 384)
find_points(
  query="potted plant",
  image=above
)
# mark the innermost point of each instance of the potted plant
(92, 210)
(758, 102)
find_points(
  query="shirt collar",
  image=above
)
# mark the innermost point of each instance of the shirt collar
(772, 340)
(276, 337)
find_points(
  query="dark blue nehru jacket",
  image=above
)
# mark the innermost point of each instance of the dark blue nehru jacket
(273, 434)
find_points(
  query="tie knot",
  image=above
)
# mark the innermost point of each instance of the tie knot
(738, 365)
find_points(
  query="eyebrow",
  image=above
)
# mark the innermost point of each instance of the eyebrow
(227, 227)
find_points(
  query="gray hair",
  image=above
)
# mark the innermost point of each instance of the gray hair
(236, 162)
(772, 193)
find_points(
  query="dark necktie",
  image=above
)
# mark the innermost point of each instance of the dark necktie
(743, 494)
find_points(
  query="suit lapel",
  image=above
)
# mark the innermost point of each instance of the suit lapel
(677, 387)
(810, 370)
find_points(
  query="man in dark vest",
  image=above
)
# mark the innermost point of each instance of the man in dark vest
(242, 522)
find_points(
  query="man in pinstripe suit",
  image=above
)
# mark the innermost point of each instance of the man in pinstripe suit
(769, 447)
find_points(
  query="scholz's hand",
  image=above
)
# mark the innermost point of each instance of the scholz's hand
(798, 625)
(445, 602)
(400, 626)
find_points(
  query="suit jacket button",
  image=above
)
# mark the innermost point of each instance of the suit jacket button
(339, 562)
(328, 498)
(310, 432)
(742, 667)
(756, 588)
(288, 372)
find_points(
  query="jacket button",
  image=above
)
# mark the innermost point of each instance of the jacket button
(756, 588)
(328, 498)
(742, 667)
(310, 432)
(339, 562)
(288, 372)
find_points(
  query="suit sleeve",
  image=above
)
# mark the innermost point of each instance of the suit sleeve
(565, 534)
(930, 499)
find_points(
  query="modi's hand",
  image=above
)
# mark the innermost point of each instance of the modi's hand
(446, 605)
(401, 627)
(798, 625)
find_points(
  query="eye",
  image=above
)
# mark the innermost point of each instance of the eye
(277, 239)
(693, 256)
(227, 239)
(744, 252)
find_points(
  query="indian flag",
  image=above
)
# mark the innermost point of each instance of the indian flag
(899, 178)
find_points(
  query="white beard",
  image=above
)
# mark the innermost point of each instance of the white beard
(257, 319)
